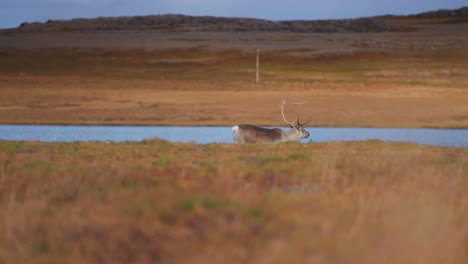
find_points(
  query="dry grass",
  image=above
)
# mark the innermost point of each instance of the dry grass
(199, 87)
(414, 78)
(154, 201)
(161, 202)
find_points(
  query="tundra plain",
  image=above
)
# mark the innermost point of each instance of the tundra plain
(161, 202)
(415, 77)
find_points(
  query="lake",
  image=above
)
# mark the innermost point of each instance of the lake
(204, 135)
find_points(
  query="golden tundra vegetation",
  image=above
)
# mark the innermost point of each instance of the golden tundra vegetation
(161, 202)
(203, 87)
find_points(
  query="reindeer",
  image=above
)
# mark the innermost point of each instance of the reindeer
(251, 134)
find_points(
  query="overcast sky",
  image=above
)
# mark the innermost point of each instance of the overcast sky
(14, 12)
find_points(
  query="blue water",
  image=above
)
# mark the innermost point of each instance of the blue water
(203, 135)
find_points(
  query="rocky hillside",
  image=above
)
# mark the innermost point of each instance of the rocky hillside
(208, 23)
(461, 12)
(178, 23)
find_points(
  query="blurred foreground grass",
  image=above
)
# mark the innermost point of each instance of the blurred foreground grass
(161, 202)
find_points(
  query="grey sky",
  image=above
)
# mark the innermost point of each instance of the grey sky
(14, 12)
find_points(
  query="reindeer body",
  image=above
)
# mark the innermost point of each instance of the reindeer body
(252, 134)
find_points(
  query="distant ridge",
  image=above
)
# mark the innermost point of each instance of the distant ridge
(180, 23)
(461, 12)
(209, 23)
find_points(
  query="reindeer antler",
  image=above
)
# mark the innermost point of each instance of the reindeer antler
(303, 124)
(301, 105)
(283, 101)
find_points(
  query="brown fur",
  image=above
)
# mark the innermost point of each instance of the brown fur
(260, 134)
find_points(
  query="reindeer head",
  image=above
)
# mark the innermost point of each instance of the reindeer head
(300, 129)
(297, 128)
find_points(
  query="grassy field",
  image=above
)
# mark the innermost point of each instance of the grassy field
(411, 78)
(160, 202)
(155, 201)
(199, 87)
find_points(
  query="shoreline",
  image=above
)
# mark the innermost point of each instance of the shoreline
(212, 125)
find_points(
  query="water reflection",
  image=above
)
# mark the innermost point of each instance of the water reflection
(203, 135)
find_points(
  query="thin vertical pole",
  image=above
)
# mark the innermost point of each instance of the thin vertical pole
(257, 79)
